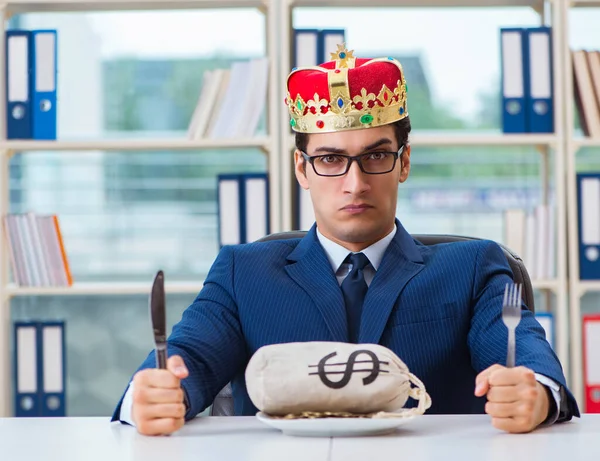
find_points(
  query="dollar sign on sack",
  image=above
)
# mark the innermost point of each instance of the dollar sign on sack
(349, 370)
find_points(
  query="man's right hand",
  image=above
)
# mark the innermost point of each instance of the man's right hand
(158, 407)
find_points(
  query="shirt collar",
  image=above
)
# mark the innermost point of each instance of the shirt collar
(337, 253)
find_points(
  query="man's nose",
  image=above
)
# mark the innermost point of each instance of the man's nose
(355, 180)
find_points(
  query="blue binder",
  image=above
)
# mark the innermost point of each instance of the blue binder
(305, 50)
(255, 209)
(515, 79)
(43, 83)
(230, 198)
(239, 205)
(26, 351)
(303, 217)
(53, 368)
(328, 41)
(588, 217)
(40, 369)
(540, 101)
(546, 320)
(18, 62)
(297, 204)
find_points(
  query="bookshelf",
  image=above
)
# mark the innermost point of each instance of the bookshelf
(106, 288)
(135, 144)
(433, 139)
(550, 146)
(28, 6)
(443, 139)
(8, 148)
(553, 149)
(574, 143)
(419, 3)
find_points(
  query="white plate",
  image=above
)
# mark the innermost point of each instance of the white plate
(334, 427)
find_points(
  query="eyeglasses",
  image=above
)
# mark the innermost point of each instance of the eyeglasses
(338, 165)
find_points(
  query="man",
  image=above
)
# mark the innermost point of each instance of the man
(357, 276)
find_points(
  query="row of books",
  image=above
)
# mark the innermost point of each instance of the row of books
(527, 80)
(531, 235)
(586, 83)
(31, 73)
(231, 101)
(37, 253)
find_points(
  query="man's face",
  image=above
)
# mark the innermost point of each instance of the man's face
(356, 209)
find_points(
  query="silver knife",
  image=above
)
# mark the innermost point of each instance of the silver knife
(159, 319)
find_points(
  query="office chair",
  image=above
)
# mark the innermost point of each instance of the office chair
(223, 403)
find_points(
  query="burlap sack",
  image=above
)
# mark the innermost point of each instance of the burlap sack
(316, 379)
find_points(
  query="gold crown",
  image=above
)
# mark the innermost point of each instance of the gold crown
(347, 107)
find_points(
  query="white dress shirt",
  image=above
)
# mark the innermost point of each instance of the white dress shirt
(336, 255)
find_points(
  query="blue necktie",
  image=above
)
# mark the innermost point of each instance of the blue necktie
(354, 289)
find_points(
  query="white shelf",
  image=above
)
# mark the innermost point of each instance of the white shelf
(134, 144)
(583, 286)
(586, 142)
(546, 284)
(416, 3)
(27, 6)
(460, 139)
(445, 139)
(105, 288)
(585, 3)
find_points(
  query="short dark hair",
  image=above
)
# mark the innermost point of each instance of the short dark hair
(401, 129)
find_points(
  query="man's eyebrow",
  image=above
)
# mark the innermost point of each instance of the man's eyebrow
(379, 143)
(337, 150)
(330, 150)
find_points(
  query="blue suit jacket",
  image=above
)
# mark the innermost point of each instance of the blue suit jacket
(437, 307)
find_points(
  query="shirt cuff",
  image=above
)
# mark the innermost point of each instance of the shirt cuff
(555, 389)
(126, 405)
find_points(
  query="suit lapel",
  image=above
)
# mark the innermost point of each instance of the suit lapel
(401, 262)
(311, 270)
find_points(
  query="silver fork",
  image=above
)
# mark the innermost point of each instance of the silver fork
(511, 316)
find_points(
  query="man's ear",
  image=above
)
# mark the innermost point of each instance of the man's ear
(300, 169)
(405, 163)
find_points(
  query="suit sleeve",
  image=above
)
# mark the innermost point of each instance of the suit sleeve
(208, 337)
(488, 334)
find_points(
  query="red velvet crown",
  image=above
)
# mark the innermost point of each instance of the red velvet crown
(346, 93)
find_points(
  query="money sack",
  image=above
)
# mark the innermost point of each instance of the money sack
(330, 377)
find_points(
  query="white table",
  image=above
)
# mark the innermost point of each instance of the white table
(429, 437)
(472, 438)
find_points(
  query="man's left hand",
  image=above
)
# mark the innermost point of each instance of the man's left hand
(517, 402)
